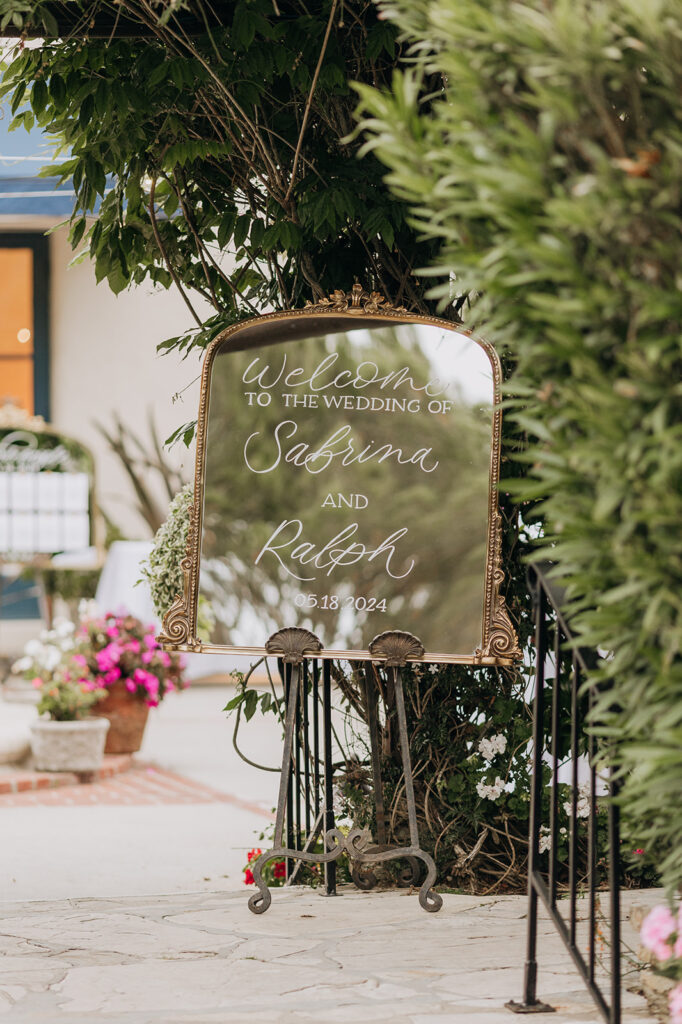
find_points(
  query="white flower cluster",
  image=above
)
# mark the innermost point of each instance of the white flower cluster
(16, 417)
(545, 842)
(496, 744)
(46, 653)
(545, 838)
(170, 546)
(583, 804)
(487, 792)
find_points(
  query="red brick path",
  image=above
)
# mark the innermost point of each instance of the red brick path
(141, 784)
(18, 781)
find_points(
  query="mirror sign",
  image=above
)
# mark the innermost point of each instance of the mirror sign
(347, 463)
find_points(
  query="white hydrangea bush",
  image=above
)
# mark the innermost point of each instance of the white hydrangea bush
(163, 571)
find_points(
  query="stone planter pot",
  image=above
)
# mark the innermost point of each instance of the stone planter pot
(68, 746)
(127, 716)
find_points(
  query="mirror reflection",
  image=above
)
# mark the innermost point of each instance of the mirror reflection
(346, 484)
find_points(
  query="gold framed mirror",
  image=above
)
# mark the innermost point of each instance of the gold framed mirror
(346, 483)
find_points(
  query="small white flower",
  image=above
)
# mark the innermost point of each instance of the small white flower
(582, 809)
(492, 792)
(50, 658)
(489, 747)
(23, 664)
(33, 648)
(545, 842)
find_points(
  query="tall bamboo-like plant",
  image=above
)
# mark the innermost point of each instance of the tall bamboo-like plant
(548, 172)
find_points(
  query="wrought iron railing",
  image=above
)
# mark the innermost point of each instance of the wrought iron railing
(310, 788)
(562, 703)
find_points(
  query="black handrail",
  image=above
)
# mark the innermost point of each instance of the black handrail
(553, 632)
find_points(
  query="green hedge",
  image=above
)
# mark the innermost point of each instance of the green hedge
(549, 169)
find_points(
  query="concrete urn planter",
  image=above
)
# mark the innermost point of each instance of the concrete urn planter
(68, 746)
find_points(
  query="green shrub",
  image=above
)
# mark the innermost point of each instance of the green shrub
(548, 169)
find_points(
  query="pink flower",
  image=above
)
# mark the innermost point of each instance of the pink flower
(37, 682)
(108, 658)
(111, 676)
(675, 999)
(130, 686)
(657, 928)
(164, 658)
(80, 659)
(150, 641)
(151, 703)
(132, 645)
(147, 657)
(147, 680)
(112, 631)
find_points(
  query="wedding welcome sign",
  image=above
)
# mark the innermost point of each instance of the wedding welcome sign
(347, 463)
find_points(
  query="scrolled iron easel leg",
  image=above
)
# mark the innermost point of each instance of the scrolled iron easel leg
(395, 648)
(291, 645)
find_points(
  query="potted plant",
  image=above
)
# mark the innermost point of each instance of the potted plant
(120, 655)
(68, 738)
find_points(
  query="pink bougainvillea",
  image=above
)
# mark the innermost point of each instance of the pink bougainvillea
(114, 647)
(658, 928)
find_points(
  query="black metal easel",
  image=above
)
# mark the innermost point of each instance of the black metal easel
(394, 649)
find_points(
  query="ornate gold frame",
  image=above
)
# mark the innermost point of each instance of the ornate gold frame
(499, 645)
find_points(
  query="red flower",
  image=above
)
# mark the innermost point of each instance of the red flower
(252, 854)
(280, 869)
(248, 876)
(638, 851)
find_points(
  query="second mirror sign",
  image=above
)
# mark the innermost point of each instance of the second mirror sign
(347, 465)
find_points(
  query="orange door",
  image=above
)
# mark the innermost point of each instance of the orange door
(16, 327)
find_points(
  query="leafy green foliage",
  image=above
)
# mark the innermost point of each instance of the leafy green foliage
(548, 172)
(219, 162)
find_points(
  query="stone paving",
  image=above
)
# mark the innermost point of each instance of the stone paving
(203, 958)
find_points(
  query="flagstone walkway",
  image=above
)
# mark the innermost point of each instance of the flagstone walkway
(203, 958)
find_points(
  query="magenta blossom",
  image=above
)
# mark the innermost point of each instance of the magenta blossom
(146, 679)
(112, 631)
(150, 641)
(657, 928)
(109, 657)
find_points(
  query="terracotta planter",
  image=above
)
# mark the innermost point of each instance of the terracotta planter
(68, 746)
(127, 715)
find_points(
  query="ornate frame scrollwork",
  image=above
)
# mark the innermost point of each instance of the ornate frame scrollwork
(499, 644)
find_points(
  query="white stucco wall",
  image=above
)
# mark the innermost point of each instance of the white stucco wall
(103, 361)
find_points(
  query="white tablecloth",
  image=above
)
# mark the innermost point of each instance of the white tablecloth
(118, 590)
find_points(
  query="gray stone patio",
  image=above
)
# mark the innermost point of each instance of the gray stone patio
(202, 958)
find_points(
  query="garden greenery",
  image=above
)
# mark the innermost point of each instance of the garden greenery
(220, 162)
(548, 172)
(225, 164)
